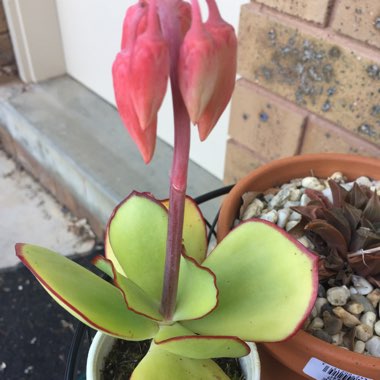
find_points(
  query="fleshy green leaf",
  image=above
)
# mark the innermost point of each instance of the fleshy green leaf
(163, 365)
(194, 230)
(135, 297)
(110, 255)
(267, 284)
(181, 341)
(86, 296)
(137, 233)
(197, 292)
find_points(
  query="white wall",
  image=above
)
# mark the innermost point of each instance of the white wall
(91, 32)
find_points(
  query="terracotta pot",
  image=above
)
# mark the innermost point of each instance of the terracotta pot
(286, 360)
(102, 345)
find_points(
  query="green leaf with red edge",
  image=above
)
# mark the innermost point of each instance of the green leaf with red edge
(110, 255)
(180, 341)
(163, 365)
(135, 297)
(83, 294)
(267, 284)
(197, 292)
(194, 230)
(137, 233)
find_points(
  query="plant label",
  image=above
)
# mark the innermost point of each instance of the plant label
(320, 370)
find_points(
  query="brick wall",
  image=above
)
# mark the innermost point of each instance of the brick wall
(310, 81)
(7, 60)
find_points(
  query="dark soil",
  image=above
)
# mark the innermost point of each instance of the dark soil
(125, 356)
(35, 332)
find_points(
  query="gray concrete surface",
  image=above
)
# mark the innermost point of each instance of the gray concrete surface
(79, 138)
(28, 214)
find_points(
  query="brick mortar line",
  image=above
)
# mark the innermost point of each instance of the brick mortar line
(309, 116)
(245, 147)
(342, 131)
(291, 17)
(360, 48)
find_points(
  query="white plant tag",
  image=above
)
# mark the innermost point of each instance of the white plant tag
(319, 370)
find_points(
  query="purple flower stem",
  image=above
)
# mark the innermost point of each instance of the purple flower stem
(178, 179)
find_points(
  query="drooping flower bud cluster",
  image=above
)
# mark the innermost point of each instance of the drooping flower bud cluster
(206, 68)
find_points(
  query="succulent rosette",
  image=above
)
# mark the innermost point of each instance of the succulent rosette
(247, 289)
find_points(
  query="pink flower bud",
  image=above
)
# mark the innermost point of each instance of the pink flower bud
(135, 22)
(140, 73)
(196, 67)
(207, 68)
(226, 42)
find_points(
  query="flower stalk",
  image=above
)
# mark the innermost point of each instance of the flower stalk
(178, 177)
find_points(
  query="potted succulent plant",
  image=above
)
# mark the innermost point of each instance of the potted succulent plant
(345, 227)
(164, 287)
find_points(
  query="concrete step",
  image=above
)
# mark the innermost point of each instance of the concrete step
(75, 144)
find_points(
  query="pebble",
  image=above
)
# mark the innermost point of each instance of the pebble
(364, 301)
(304, 200)
(295, 216)
(377, 328)
(321, 291)
(354, 307)
(333, 325)
(280, 198)
(337, 339)
(289, 204)
(374, 297)
(254, 209)
(363, 332)
(328, 194)
(359, 347)
(353, 290)
(291, 225)
(364, 181)
(271, 216)
(306, 242)
(348, 319)
(368, 318)
(373, 346)
(361, 285)
(320, 301)
(283, 216)
(316, 324)
(314, 312)
(28, 370)
(338, 177)
(338, 295)
(322, 335)
(312, 183)
(295, 195)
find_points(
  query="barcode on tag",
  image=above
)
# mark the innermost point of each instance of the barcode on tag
(319, 370)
